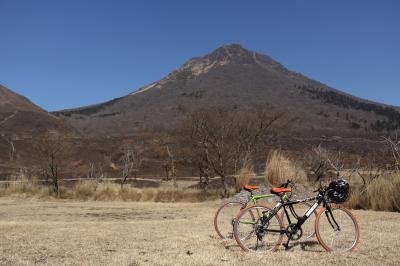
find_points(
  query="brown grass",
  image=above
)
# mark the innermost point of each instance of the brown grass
(107, 191)
(279, 168)
(381, 194)
(244, 177)
(144, 233)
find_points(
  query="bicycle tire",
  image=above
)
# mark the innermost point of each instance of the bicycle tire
(254, 208)
(221, 223)
(348, 223)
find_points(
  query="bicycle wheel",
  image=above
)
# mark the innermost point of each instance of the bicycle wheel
(331, 238)
(309, 226)
(224, 219)
(253, 235)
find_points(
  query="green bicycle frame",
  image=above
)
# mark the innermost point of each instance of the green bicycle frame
(254, 200)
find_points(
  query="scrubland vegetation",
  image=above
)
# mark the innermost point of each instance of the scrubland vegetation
(370, 190)
(227, 151)
(89, 190)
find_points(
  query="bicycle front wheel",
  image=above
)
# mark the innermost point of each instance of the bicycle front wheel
(224, 219)
(256, 229)
(337, 230)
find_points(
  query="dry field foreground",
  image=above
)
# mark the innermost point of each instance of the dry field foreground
(121, 233)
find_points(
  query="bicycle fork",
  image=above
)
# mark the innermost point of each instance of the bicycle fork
(334, 225)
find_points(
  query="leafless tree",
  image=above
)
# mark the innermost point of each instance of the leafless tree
(172, 166)
(91, 171)
(10, 140)
(223, 142)
(368, 171)
(95, 173)
(205, 172)
(169, 166)
(131, 162)
(323, 164)
(394, 147)
(50, 149)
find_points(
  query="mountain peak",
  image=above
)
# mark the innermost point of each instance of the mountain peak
(230, 54)
(221, 56)
(230, 51)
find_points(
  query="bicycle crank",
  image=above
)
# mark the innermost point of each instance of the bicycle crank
(260, 232)
(293, 232)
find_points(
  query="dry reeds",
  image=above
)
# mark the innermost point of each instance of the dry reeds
(107, 191)
(246, 173)
(380, 195)
(279, 168)
(23, 184)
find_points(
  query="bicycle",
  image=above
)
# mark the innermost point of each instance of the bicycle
(225, 216)
(260, 228)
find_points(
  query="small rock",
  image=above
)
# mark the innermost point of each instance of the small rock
(189, 252)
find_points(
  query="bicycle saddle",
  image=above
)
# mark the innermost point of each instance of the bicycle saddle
(277, 190)
(250, 188)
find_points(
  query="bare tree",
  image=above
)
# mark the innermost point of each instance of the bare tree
(95, 172)
(368, 171)
(169, 165)
(50, 149)
(394, 147)
(171, 174)
(91, 171)
(223, 142)
(205, 172)
(10, 140)
(323, 164)
(131, 163)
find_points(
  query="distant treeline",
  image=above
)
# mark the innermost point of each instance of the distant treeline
(392, 121)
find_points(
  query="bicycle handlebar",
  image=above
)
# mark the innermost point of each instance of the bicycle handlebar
(285, 185)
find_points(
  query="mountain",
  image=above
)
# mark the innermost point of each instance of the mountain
(234, 78)
(21, 118)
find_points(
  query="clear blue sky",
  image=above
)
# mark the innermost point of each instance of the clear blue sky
(64, 54)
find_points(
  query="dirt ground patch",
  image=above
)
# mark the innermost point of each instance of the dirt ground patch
(143, 233)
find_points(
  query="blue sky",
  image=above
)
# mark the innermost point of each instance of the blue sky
(64, 54)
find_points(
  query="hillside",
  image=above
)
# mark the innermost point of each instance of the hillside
(234, 78)
(23, 119)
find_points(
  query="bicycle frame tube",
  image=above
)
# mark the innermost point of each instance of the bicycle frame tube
(258, 197)
(300, 220)
(255, 198)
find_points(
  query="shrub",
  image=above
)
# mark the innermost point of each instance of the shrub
(380, 195)
(106, 191)
(279, 168)
(244, 177)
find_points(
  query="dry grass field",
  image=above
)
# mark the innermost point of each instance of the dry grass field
(56, 232)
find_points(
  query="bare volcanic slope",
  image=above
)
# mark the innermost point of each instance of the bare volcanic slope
(234, 78)
(21, 118)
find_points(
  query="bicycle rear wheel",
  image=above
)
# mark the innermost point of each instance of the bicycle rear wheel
(334, 238)
(224, 219)
(252, 234)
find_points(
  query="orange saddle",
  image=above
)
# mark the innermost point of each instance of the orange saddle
(277, 190)
(250, 188)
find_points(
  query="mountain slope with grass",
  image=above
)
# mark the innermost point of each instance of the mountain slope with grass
(21, 118)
